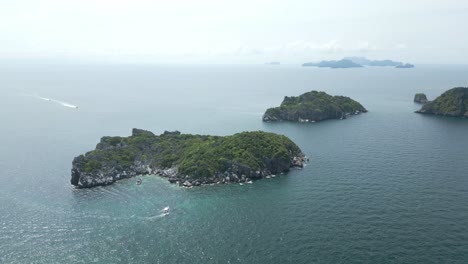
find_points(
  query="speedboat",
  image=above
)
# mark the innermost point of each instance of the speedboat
(166, 210)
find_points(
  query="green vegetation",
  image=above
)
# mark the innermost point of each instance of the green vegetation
(92, 165)
(420, 98)
(194, 155)
(453, 102)
(313, 106)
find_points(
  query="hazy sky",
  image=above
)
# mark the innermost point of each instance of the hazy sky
(240, 31)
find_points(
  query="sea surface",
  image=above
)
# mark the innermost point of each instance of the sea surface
(388, 186)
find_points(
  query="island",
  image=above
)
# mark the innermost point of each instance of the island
(405, 66)
(333, 64)
(273, 63)
(189, 160)
(357, 62)
(313, 107)
(420, 98)
(379, 63)
(453, 102)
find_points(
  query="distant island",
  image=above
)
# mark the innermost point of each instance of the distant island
(273, 63)
(189, 160)
(375, 63)
(453, 102)
(333, 64)
(357, 62)
(312, 107)
(420, 98)
(404, 66)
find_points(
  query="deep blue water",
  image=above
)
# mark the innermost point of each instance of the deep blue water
(389, 186)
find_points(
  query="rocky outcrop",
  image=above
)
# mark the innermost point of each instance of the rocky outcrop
(189, 160)
(453, 102)
(312, 107)
(420, 98)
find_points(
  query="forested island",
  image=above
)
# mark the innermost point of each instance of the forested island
(357, 62)
(453, 102)
(313, 106)
(189, 160)
(333, 64)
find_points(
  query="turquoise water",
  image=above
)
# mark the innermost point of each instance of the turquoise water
(389, 186)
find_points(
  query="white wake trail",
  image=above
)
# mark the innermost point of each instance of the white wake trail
(62, 103)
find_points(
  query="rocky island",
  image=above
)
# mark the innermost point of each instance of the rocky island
(333, 64)
(405, 66)
(189, 160)
(313, 106)
(357, 62)
(420, 98)
(453, 102)
(374, 63)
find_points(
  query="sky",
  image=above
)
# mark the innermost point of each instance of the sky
(241, 31)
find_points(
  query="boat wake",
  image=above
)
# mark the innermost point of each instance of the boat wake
(154, 217)
(65, 104)
(164, 212)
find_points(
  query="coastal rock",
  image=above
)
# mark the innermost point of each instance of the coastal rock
(453, 102)
(190, 160)
(420, 98)
(313, 107)
(187, 184)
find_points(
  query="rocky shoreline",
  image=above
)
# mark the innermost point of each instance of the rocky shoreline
(111, 161)
(228, 177)
(87, 180)
(313, 107)
(451, 103)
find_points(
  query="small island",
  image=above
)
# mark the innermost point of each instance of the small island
(453, 102)
(313, 107)
(189, 160)
(420, 98)
(405, 66)
(333, 64)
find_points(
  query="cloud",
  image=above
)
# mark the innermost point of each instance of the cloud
(401, 46)
(332, 46)
(298, 48)
(365, 47)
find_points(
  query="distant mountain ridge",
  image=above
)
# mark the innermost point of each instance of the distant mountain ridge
(366, 62)
(333, 64)
(357, 62)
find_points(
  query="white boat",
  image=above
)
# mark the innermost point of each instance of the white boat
(166, 210)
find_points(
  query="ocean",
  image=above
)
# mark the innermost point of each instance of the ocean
(388, 186)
